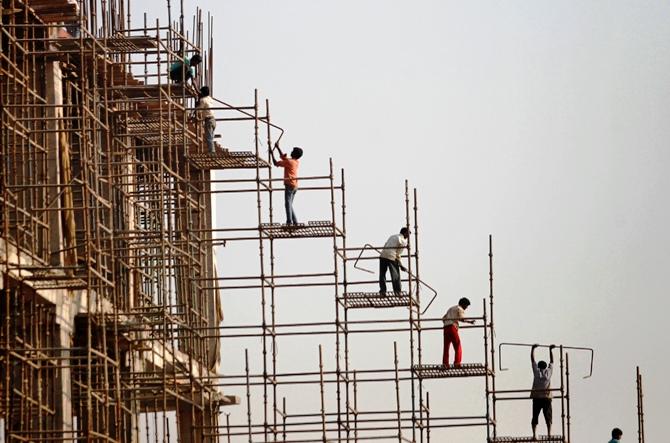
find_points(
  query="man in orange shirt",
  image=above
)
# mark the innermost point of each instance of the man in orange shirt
(290, 165)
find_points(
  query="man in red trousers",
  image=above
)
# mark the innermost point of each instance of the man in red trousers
(454, 315)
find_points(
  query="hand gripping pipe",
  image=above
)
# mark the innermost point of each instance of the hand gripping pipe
(578, 348)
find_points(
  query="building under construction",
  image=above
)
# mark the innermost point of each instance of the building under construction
(111, 304)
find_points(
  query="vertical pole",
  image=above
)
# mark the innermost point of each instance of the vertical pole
(246, 371)
(417, 320)
(338, 369)
(486, 368)
(397, 390)
(491, 327)
(410, 311)
(567, 392)
(343, 196)
(355, 409)
(259, 213)
(428, 417)
(640, 407)
(273, 339)
(323, 398)
(562, 390)
(283, 407)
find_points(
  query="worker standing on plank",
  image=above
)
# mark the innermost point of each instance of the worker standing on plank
(541, 391)
(390, 259)
(454, 315)
(204, 108)
(290, 165)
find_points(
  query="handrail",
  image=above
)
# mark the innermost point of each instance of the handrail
(578, 348)
(253, 116)
(369, 246)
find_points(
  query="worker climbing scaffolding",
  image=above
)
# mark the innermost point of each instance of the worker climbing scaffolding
(184, 70)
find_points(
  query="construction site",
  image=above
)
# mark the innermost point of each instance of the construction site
(112, 304)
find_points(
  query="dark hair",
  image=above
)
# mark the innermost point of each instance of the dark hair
(542, 364)
(296, 153)
(404, 231)
(195, 59)
(204, 91)
(464, 302)
(616, 433)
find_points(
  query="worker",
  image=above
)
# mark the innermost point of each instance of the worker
(541, 390)
(204, 108)
(616, 435)
(389, 259)
(184, 69)
(290, 165)
(451, 319)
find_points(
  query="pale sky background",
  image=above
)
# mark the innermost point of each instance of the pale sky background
(544, 123)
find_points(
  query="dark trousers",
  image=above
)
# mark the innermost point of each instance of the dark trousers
(289, 194)
(394, 267)
(544, 405)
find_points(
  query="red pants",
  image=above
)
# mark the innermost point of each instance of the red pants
(451, 337)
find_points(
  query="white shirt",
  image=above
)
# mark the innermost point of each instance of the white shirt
(204, 106)
(542, 381)
(393, 247)
(452, 316)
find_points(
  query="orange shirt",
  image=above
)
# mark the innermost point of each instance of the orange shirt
(290, 166)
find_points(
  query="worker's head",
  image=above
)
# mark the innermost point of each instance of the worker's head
(404, 232)
(195, 59)
(617, 433)
(464, 303)
(204, 91)
(296, 153)
(542, 364)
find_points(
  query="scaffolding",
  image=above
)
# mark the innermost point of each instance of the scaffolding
(110, 297)
(273, 413)
(105, 228)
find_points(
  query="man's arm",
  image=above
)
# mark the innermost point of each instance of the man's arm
(551, 354)
(193, 115)
(532, 354)
(274, 160)
(462, 315)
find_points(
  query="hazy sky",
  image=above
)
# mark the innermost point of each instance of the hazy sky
(544, 123)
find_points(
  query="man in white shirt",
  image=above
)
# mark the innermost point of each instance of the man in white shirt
(390, 259)
(540, 392)
(454, 315)
(205, 103)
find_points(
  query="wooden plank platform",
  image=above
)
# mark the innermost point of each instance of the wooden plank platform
(526, 439)
(114, 44)
(313, 229)
(439, 371)
(357, 300)
(225, 159)
(157, 92)
(153, 130)
(54, 11)
(42, 279)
